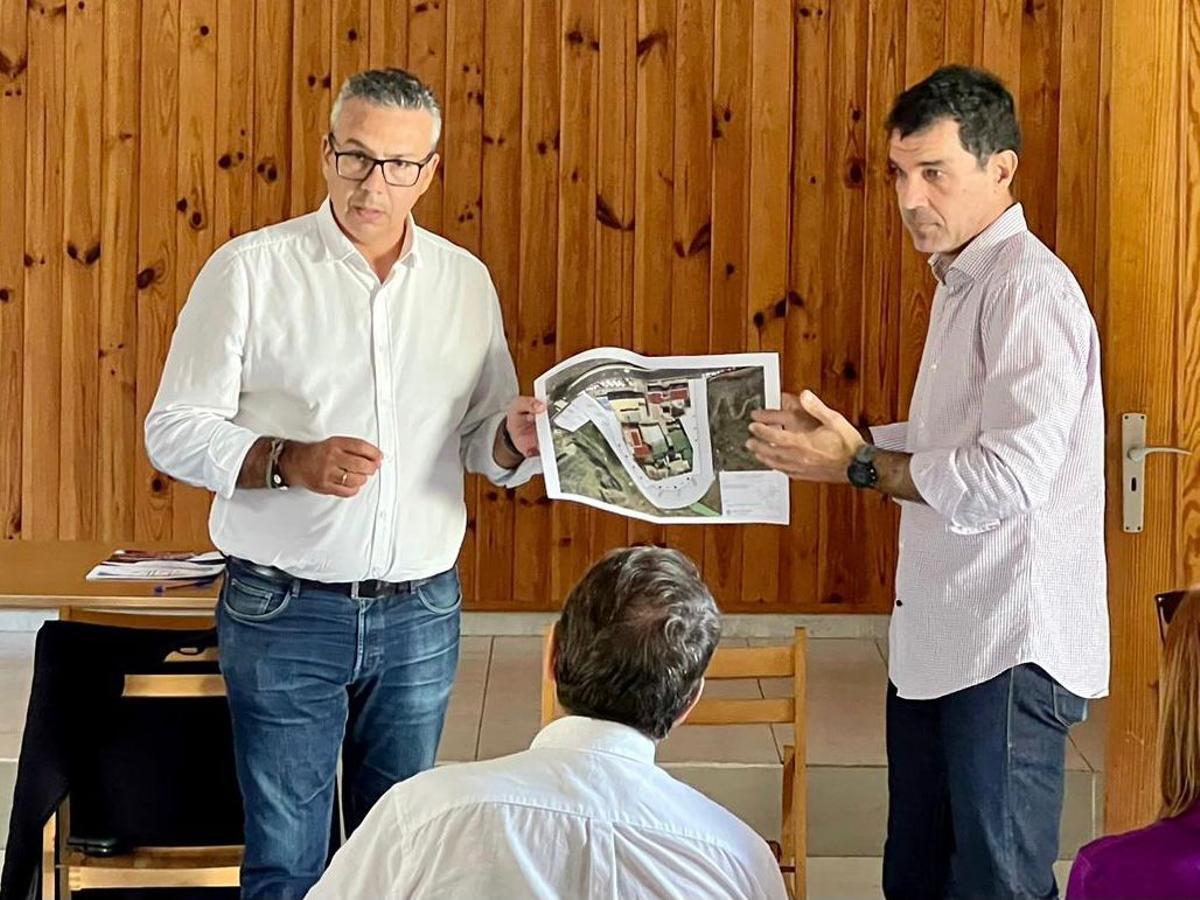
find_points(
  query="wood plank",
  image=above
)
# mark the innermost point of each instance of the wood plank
(1188, 414)
(742, 712)
(751, 662)
(174, 686)
(802, 362)
(767, 282)
(351, 41)
(158, 139)
(233, 187)
(692, 215)
(389, 34)
(463, 197)
(653, 192)
(963, 24)
(1038, 102)
(44, 172)
(117, 440)
(579, 42)
(614, 209)
(194, 190)
(272, 130)
(501, 245)
(14, 84)
(883, 246)
(1001, 41)
(311, 87)
(536, 335)
(729, 270)
(427, 60)
(1078, 140)
(1144, 230)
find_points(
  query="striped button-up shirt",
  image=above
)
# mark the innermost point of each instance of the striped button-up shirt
(1004, 562)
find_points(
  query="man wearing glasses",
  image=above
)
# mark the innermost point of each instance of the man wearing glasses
(329, 380)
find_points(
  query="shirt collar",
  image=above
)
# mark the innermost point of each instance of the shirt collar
(974, 259)
(582, 733)
(338, 247)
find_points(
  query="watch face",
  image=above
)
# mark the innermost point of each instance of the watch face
(862, 475)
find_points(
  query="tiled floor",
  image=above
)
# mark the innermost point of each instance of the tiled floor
(494, 710)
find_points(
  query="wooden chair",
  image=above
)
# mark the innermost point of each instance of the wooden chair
(144, 867)
(785, 661)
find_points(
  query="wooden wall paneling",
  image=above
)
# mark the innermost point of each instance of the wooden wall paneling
(1038, 110)
(1001, 41)
(840, 563)
(389, 33)
(14, 84)
(613, 207)
(463, 164)
(43, 259)
(312, 79)
(653, 196)
(194, 190)
(500, 241)
(82, 166)
(233, 183)
(692, 214)
(272, 131)
(579, 41)
(963, 28)
(1188, 414)
(537, 322)
(1144, 270)
(884, 239)
(1078, 140)
(158, 139)
(767, 282)
(351, 41)
(802, 363)
(427, 60)
(118, 443)
(729, 256)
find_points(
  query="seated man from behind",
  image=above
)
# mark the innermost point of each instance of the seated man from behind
(584, 812)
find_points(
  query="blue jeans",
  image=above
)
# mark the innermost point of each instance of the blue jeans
(309, 673)
(975, 785)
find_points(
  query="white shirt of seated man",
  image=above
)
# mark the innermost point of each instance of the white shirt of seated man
(583, 813)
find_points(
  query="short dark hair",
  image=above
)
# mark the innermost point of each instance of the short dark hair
(635, 638)
(977, 100)
(394, 88)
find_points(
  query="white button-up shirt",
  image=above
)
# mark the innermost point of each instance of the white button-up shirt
(1005, 564)
(583, 814)
(289, 333)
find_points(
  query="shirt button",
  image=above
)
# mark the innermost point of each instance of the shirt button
(933, 367)
(899, 602)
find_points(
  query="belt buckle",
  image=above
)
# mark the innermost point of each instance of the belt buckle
(369, 590)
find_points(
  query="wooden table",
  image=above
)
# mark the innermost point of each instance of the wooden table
(52, 575)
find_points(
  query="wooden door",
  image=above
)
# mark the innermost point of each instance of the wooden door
(1149, 318)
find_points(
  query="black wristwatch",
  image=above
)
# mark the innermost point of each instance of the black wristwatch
(862, 472)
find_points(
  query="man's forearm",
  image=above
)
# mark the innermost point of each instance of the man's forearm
(254, 466)
(895, 476)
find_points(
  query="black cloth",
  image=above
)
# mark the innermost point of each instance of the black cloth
(145, 771)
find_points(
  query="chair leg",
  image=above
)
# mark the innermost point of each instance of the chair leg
(788, 830)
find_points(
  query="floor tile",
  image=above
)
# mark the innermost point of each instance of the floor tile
(460, 738)
(511, 705)
(845, 878)
(1089, 736)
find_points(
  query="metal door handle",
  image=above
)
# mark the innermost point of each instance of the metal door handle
(1133, 469)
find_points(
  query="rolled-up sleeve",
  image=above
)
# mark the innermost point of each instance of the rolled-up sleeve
(892, 437)
(188, 431)
(1037, 343)
(494, 391)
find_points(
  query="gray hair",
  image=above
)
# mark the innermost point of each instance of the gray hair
(394, 88)
(635, 638)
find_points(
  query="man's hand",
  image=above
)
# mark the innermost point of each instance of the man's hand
(521, 424)
(338, 466)
(805, 439)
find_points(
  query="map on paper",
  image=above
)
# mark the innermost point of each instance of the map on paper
(661, 438)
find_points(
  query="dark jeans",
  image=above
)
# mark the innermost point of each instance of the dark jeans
(975, 784)
(312, 672)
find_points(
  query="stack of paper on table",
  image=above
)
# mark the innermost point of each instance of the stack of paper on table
(150, 565)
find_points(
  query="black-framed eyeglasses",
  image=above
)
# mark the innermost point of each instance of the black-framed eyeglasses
(1166, 603)
(354, 165)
